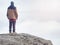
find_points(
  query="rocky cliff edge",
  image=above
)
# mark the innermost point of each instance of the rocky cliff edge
(22, 39)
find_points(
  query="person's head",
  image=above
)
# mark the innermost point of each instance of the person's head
(12, 3)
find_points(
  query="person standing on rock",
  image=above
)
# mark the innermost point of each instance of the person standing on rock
(12, 16)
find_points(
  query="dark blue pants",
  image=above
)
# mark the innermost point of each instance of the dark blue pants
(12, 25)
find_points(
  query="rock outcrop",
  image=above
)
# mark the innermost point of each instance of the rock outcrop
(22, 39)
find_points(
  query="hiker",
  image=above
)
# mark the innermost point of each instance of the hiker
(12, 16)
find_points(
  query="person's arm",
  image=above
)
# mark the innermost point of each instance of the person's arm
(7, 13)
(16, 14)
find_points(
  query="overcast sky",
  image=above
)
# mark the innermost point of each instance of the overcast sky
(37, 17)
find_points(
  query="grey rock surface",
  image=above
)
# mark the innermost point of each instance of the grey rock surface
(22, 39)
